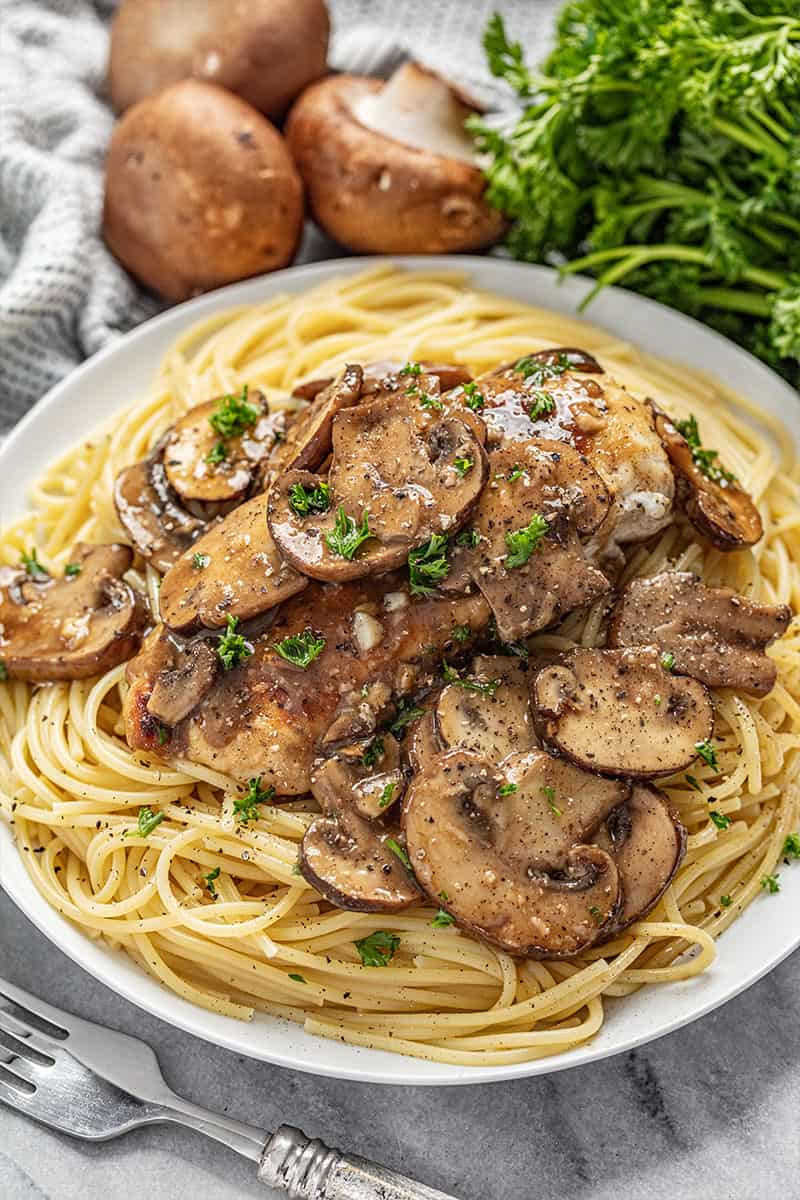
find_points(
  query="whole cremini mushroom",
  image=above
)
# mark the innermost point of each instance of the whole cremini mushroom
(200, 191)
(389, 167)
(266, 51)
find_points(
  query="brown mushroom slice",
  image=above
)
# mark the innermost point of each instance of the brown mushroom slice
(423, 741)
(202, 465)
(619, 712)
(308, 438)
(489, 846)
(719, 510)
(73, 627)
(647, 841)
(347, 854)
(189, 671)
(233, 570)
(534, 483)
(712, 634)
(385, 375)
(367, 773)
(493, 723)
(404, 471)
(158, 526)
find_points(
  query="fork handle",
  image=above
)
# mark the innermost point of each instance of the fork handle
(310, 1170)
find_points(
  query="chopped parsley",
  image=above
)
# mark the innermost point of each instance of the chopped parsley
(693, 783)
(232, 647)
(397, 849)
(522, 543)
(407, 711)
(378, 949)
(233, 415)
(245, 808)
(461, 633)
(163, 735)
(719, 819)
(297, 978)
(200, 561)
(543, 403)
(386, 796)
(72, 569)
(32, 565)
(770, 884)
(463, 465)
(301, 649)
(304, 500)
(549, 794)
(428, 565)
(514, 474)
(427, 401)
(346, 536)
(3, 672)
(706, 751)
(472, 397)
(373, 752)
(725, 901)
(147, 822)
(442, 919)
(703, 459)
(791, 847)
(450, 675)
(595, 914)
(411, 368)
(507, 789)
(469, 538)
(538, 372)
(217, 454)
(209, 882)
(667, 660)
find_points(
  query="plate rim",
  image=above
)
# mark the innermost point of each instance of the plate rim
(361, 1064)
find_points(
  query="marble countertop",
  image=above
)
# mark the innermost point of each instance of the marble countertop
(711, 1112)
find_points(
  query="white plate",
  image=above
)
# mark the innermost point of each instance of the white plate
(758, 941)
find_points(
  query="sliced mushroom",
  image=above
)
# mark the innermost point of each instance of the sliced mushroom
(347, 853)
(719, 510)
(535, 482)
(493, 722)
(233, 570)
(712, 634)
(368, 773)
(505, 850)
(647, 841)
(203, 466)
(158, 526)
(308, 438)
(182, 683)
(167, 680)
(619, 712)
(404, 471)
(385, 376)
(69, 628)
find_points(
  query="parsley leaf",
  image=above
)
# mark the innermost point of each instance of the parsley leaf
(427, 400)
(472, 397)
(301, 649)
(378, 948)
(297, 978)
(596, 914)
(304, 500)
(232, 647)
(411, 368)
(233, 415)
(407, 712)
(428, 565)
(537, 372)
(708, 754)
(549, 794)
(522, 543)
(32, 565)
(463, 465)
(469, 538)
(209, 882)
(514, 474)
(3, 672)
(693, 783)
(667, 660)
(147, 822)
(791, 846)
(507, 789)
(245, 807)
(442, 919)
(719, 819)
(450, 675)
(725, 901)
(543, 403)
(386, 796)
(770, 884)
(200, 561)
(346, 536)
(461, 633)
(217, 454)
(703, 459)
(399, 850)
(373, 752)
(71, 570)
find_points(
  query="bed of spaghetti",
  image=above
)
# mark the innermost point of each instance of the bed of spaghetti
(72, 788)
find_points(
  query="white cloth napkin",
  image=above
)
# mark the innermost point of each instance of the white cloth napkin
(62, 295)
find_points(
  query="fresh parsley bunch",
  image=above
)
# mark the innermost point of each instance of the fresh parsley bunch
(659, 147)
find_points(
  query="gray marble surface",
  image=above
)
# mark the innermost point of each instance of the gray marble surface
(710, 1113)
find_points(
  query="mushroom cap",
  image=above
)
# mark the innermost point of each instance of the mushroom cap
(200, 190)
(647, 842)
(70, 628)
(234, 570)
(308, 439)
(191, 442)
(377, 194)
(722, 512)
(713, 634)
(384, 376)
(394, 463)
(527, 481)
(267, 52)
(166, 681)
(502, 862)
(620, 713)
(159, 527)
(493, 723)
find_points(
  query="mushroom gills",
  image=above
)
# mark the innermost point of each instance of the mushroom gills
(159, 527)
(712, 634)
(620, 712)
(74, 627)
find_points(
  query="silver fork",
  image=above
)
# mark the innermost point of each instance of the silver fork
(94, 1083)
